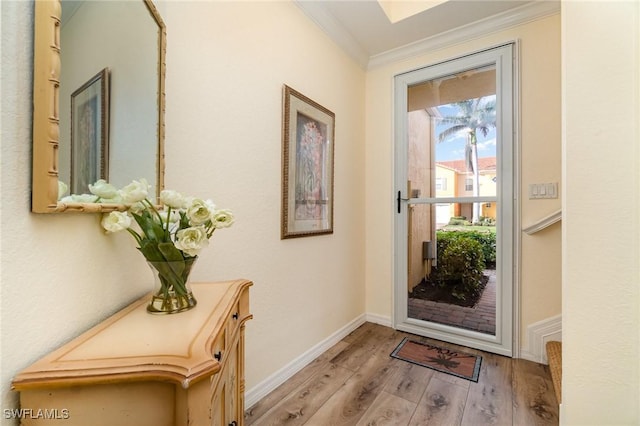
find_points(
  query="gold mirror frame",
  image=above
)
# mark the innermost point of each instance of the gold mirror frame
(46, 127)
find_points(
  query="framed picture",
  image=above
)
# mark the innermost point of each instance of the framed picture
(307, 173)
(90, 133)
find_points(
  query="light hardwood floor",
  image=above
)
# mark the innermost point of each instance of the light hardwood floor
(356, 383)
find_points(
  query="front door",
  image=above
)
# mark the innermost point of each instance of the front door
(454, 184)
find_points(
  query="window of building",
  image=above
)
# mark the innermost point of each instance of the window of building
(441, 184)
(468, 184)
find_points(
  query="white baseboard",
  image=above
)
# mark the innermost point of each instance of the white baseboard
(263, 388)
(538, 334)
(378, 319)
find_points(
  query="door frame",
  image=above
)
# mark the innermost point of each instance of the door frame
(507, 338)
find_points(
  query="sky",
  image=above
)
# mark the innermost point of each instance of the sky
(453, 148)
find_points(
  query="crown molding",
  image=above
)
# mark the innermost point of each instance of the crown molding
(518, 16)
(343, 38)
(523, 14)
(335, 30)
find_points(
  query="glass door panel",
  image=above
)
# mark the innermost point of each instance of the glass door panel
(452, 278)
(451, 166)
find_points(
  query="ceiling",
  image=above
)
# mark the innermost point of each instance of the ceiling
(363, 29)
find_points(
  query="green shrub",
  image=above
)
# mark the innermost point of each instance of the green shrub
(488, 242)
(486, 221)
(460, 266)
(486, 239)
(459, 221)
(443, 239)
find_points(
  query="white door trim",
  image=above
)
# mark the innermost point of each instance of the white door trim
(506, 339)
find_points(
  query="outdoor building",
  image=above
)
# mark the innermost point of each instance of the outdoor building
(454, 180)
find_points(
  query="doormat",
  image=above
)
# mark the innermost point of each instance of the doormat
(445, 360)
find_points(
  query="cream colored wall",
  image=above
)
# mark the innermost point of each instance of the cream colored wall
(539, 153)
(226, 64)
(601, 252)
(58, 274)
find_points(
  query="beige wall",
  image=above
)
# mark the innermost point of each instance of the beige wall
(226, 64)
(540, 162)
(601, 252)
(58, 274)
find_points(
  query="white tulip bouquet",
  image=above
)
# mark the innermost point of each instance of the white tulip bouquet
(169, 238)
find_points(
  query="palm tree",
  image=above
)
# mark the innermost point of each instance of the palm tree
(473, 115)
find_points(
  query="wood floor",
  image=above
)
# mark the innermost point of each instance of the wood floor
(356, 383)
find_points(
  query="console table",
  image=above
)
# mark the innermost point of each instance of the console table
(140, 369)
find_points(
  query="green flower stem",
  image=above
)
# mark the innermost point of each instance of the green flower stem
(153, 208)
(166, 228)
(173, 275)
(135, 235)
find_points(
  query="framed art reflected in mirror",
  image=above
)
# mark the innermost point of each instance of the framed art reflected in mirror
(90, 133)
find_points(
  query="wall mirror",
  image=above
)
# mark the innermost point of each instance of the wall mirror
(98, 99)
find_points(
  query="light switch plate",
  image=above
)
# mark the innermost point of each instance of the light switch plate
(543, 190)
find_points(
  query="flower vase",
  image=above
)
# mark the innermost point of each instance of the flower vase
(172, 291)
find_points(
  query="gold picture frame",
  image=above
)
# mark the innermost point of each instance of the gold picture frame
(308, 162)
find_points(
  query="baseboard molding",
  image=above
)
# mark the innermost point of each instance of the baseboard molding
(538, 334)
(263, 388)
(379, 319)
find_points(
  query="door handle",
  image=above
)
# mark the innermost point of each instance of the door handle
(400, 200)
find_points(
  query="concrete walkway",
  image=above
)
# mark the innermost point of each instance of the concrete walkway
(481, 317)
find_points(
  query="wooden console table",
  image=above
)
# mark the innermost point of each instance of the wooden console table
(140, 369)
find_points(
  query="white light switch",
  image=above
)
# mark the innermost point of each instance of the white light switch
(543, 190)
(552, 190)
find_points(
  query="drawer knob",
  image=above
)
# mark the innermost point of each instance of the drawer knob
(233, 423)
(218, 355)
(235, 316)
